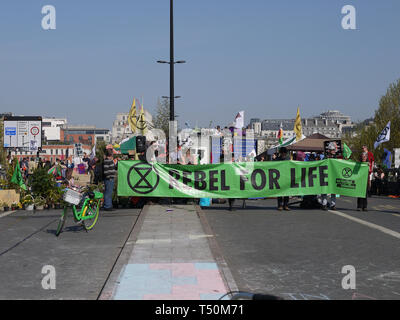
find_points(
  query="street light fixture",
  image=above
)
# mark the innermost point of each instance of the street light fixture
(171, 63)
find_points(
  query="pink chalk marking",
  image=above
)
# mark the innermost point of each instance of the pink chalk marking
(359, 295)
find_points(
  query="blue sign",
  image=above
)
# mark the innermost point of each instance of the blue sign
(11, 131)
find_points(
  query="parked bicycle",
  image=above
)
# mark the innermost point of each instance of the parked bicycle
(89, 213)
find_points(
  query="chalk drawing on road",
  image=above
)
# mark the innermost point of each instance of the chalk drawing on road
(360, 296)
(305, 296)
(388, 276)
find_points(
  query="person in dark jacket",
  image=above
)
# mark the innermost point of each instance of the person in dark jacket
(283, 202)
(109, 173)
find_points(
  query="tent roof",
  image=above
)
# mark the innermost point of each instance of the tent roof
(128, 145)
(315, 143)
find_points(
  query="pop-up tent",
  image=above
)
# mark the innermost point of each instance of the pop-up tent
(127, 145)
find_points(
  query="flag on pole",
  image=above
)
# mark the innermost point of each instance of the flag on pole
(132, 116)
(384, 136)
(280, 134)
(297, 126)
(387, 158)
(142, 125)
(17, 177)
(239, 120)
(346, 151)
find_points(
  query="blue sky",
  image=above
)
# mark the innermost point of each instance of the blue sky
(264, 57)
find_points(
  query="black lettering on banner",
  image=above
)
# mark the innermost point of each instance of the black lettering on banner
(243, 179)
(311, 176)
(213, 180)
(185, 179)
(323, 176)
(223, 181)
(254, 179)
(303, 177)
(274, 175)
(200, 180)
(173, 177)
(293, 183)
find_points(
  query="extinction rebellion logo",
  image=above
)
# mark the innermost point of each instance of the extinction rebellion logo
(347, 173)
(143, 178)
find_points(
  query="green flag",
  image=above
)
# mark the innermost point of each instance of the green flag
(17, 177)
(346, 151)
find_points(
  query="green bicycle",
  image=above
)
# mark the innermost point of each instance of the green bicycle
(89, 213)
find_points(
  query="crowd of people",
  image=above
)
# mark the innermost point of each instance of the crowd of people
(325, 201)
(106, 172)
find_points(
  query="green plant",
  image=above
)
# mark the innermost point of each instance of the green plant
(42, 183)
(40, 201)
(27, 200)
(54, 196)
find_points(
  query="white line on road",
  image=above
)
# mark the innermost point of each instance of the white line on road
(6, 214)
(368, 224)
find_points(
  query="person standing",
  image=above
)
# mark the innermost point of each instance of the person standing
(371, 161)
(332, 149)
(283, 202)
(109, 177)
(363, 202)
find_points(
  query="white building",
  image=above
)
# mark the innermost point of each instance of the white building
(51, 128)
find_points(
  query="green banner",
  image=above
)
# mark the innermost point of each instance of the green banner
(243, 180)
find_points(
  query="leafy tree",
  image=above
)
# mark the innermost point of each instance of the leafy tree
(389, 110)
(161, 120)
(3, 151)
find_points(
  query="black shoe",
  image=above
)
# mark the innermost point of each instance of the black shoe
(365, 209)
(325, 208)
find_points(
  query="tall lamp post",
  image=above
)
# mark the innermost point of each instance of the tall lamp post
(171, 65)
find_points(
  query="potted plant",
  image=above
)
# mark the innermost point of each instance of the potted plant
(14, 206)
(39, 203)
(28, 202)
(54, 198)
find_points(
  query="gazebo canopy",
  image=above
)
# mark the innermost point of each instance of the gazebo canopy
(313, 143)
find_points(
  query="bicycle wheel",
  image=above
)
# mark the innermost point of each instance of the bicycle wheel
(62, 221)
(91, 210)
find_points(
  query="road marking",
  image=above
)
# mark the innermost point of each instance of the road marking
(368, 224)
(6, 214)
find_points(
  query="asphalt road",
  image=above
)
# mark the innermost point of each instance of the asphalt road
(300, 254)
(82, 260)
